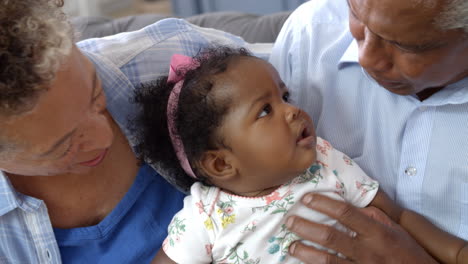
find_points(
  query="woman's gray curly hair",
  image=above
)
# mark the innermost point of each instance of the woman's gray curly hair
(35, 40)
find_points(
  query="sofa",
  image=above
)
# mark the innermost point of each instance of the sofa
(253, 28)
(187, 8)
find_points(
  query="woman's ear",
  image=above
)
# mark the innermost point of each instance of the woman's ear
(218, 165)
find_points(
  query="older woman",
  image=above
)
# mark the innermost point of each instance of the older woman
(71, 188)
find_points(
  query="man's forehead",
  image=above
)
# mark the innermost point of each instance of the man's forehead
(407, 21)
(423, 3)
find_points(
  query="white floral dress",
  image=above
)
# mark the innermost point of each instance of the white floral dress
(218, 227)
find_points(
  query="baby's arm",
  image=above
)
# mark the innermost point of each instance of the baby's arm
(162, 258)
(440, 244)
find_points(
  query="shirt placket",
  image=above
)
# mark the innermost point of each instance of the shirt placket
(40, 228)
(414, 152)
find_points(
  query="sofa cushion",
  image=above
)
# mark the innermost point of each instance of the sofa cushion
(253, 28)
(96, 27)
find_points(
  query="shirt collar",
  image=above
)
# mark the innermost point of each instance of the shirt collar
(350, 56)
(10, 199)
(455, 93)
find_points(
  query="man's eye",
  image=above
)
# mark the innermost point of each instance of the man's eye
(417, 49)
(265, 111)
(407, 50)
(286, 97)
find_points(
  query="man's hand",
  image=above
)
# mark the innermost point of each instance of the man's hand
(378, 239)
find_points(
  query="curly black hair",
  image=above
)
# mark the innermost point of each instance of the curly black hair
(199, 114)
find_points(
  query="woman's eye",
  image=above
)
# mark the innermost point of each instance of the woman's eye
(265, 111)
(286, 97)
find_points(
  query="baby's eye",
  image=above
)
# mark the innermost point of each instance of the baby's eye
(286, 97)
(265, 111)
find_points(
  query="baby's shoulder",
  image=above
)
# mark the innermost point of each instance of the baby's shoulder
(202, 197)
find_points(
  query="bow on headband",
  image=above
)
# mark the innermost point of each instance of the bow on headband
(180, 64)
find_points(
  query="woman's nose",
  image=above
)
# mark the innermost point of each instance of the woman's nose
(96, 134)
(373, 54)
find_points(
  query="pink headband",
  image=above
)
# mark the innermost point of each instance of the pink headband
(180, 64)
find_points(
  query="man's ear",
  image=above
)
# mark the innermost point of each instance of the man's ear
(218, 165)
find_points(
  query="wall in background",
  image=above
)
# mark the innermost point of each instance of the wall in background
(95, 7)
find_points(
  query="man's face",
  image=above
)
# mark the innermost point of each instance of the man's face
(67, 131)
(401, 47)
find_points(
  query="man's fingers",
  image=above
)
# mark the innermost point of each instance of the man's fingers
(325, 235)
(309, 255)
(379, 216)
(345, 213)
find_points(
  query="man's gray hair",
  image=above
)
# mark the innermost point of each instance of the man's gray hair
(454, 16)
(35, 40)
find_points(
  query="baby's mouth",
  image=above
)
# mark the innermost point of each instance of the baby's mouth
(306, 138)
(304, 134)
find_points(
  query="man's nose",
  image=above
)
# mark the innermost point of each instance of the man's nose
(373, 54)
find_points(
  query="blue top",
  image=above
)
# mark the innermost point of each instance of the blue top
(140, 219)
(122, 62)
(418, 151)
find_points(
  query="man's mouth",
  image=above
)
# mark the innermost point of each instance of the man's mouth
(389, 84)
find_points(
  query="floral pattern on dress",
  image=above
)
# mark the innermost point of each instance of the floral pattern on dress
(208, 223)
(366, 187)
(347, 160)
(250, 227)
(340, 188)
(313, 175)
(208, 249)
(175, 231)
(226, 211)
(237, 256)
(324, 147)
(279, 205)
(201, 207)
(280, 243)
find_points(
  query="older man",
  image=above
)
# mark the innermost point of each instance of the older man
(385, 82)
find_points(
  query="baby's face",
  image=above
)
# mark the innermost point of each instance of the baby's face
(271, 140)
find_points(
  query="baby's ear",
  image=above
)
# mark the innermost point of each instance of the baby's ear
(218, 165)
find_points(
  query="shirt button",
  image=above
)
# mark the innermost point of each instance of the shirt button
(49, 256)
(422, 108)
(411, 171)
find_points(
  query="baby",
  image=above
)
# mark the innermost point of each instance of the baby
(223, 124)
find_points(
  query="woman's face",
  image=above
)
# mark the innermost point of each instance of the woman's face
(271, 139)
(67, 131)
